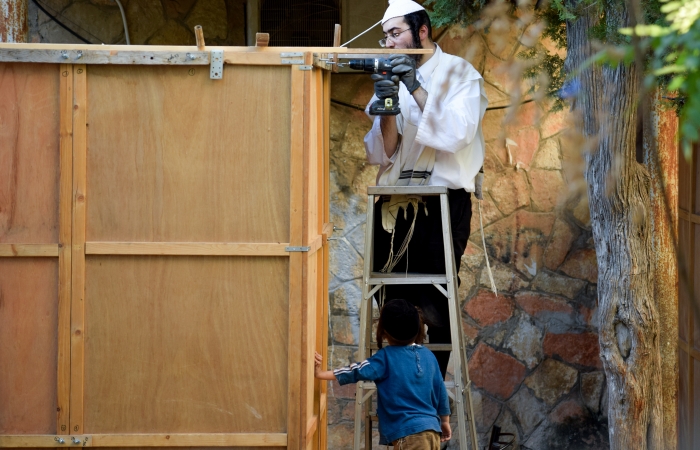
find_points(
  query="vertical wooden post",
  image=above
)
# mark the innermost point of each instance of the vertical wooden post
(65, 249)
(78, 248)
(13, 21)
(296, 238)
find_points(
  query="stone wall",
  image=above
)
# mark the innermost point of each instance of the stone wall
(167, 22)
(533, 349)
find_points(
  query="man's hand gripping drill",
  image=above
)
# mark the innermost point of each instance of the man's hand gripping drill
(386, 85)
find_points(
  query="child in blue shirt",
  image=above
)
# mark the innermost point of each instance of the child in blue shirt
(412, 406)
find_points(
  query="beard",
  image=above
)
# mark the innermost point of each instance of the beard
(415, 44)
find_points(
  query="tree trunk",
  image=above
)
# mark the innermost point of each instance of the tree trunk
(618, 193)
(13, 21)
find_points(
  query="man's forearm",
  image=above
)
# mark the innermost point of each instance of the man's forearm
(390, 134)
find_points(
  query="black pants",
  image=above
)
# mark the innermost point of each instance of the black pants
(425, 254)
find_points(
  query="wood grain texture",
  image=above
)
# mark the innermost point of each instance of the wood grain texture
(28, 250)
(185, 248)
(29, 149)
(77, 337)
(296, 236)
(28, 321)
(179, 157)
(186, 344)
(65, 227)
(163, 441)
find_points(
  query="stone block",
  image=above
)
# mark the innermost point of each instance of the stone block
(527, 140)
(559, 245)
(505, 278)
(508, 424)
(575, 348)
(548, 189)
(537, 304)
(144, 18)
(509, 191)
(468, 282)
(592, 389)
(558, 284)
(344, 330)
(554, 123)
(172, 33)
(486, 411)
(582, 213)
(178, 9)
(548, 156)
(345, 300)
(493, 126)
(211, 15)
(470, 333)
(356, 238)
(566, 410)
(495, 372)
(104, 23)
(551, 381)
(526, 343)
(519, 240)
(489, 214)
(488, 309)
(341, 356)
(582, 264)
(345, 262)
(341, 436)
(527, 409)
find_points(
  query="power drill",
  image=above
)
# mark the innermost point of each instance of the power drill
(382, 107)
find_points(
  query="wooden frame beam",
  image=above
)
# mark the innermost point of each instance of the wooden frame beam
(148, 440)
(28, 250)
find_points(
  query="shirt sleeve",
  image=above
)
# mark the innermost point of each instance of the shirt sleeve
(443, 402)
(451, 124)
(371, 369)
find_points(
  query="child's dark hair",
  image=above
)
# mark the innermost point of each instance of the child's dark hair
(401, 322)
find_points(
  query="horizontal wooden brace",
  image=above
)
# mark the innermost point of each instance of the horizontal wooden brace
(28, 250)
(169, 55)
(690, 217)
(147, 440)
(194, 248)
(186, 248)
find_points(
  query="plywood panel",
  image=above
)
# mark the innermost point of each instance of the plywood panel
(29, 153)
(28, 333)
(175, 156)
(186, 344)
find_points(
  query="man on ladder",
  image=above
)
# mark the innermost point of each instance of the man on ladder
(436, 140)
(433, 147)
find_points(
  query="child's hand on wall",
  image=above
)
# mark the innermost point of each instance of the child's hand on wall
(318, 369)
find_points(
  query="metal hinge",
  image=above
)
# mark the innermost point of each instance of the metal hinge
(216, 68)
(306, 67)
(287, 55)
(297, 249)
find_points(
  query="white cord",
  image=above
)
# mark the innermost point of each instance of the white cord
(361, 33)
(486, 255)
(126, 28)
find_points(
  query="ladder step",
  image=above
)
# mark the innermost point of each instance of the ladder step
(406, 190)
(406, 278)
(431, 347)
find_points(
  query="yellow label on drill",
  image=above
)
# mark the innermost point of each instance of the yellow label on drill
(388, 103)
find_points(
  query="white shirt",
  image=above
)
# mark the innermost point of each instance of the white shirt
(450, 122)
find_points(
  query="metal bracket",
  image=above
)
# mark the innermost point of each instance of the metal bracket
(290, 54)
(216, 70)
(306, 67)
(292, 61)
(297, 249)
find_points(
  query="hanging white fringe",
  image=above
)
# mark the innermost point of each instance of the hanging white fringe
(486, 254)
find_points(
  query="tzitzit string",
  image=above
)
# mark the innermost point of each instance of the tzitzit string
(486, 255)
(394, 259)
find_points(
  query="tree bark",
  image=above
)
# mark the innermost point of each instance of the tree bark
(618, 193)
(13, 21)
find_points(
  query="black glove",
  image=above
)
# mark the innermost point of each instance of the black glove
(405, 68)
(384, 88)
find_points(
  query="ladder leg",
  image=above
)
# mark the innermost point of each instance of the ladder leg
(362, 408)
(457, 334)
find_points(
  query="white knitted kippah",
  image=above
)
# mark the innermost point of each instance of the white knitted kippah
(399, 8)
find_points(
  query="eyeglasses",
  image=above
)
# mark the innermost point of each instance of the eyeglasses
(391, 37)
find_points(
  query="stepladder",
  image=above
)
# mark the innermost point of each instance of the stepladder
(446, 284)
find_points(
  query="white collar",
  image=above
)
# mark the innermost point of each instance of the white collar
(427, 69)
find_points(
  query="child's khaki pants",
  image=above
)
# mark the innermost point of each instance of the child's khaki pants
(425, 440)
